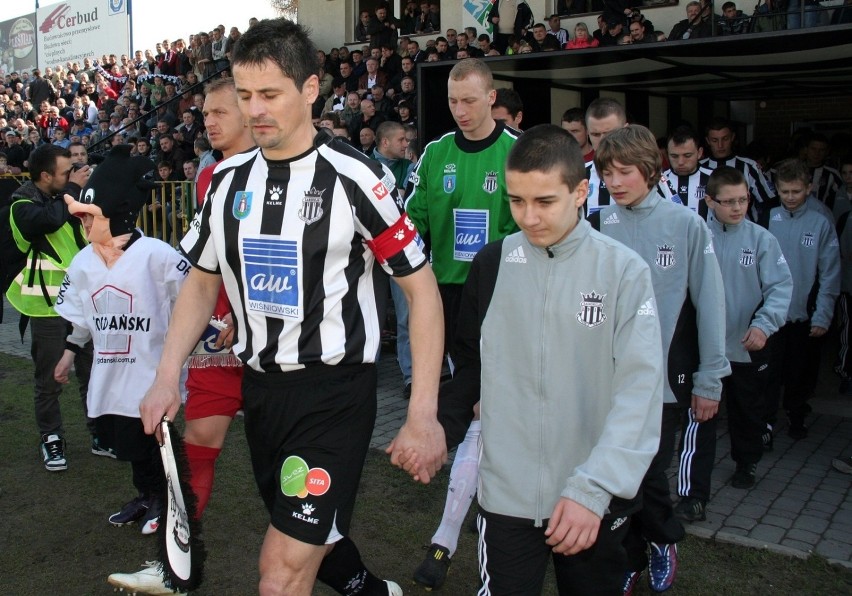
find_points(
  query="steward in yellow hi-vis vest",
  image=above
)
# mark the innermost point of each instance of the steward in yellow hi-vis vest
(49, 235)
(42, 227)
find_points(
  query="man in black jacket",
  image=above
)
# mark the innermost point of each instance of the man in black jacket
(504, 26)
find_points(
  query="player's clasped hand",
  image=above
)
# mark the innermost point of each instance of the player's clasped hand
(420, 449)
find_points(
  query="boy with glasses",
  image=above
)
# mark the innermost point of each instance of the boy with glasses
(758, 287)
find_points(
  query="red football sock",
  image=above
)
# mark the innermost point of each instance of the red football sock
(202, 462)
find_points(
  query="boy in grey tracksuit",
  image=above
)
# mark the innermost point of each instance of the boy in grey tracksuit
(810, 245)
(558, 334)
(758, 286)
(676, 244)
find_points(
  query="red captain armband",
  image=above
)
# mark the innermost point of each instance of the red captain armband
(393, 240)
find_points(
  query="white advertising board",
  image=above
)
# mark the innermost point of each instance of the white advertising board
(76, 29)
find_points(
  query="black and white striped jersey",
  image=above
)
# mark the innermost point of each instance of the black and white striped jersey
(825, 182)
(690, 189)
(759, 187)
(599, 195)
(299, 244)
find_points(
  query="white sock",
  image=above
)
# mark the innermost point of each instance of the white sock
(464, 477)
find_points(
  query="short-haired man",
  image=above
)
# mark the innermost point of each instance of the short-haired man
(187, 131)
(293, 330)
(40, 221)
(720, 139)
(686, 178)
(170, 152)
(733, 21)
(391, 145)
(574, 121)
(509, 17)
(556, 30)
(16, 156)
(693, 26)
(457, 199)
(464, 43)
(508, 107)
(825, 180)
(556, 287)
(390, 62)
(603, 117)
(406, 70)
(677, 246)
(372, 77)
(638, 34)
(383, 28)
(348, 78)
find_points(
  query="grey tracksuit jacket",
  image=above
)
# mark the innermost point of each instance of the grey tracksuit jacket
(810, 245)
(563, 346)
(758, 285)
(676, 244)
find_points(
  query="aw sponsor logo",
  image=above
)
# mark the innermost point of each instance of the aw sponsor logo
(272, 276)
(471, 232)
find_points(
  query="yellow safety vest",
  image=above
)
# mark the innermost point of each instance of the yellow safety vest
(34, 290)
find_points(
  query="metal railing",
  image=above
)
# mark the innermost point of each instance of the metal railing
(166, 215)
(169, 211)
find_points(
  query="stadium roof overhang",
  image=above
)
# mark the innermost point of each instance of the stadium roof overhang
(783, 63)
(807, 62)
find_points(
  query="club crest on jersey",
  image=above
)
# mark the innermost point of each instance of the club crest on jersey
(591, 309)
(747, 257)
(242, 204)
(311, 210)
(449, 183)
(700, 191)
(490, 184)
(665, 257)
(808, 239)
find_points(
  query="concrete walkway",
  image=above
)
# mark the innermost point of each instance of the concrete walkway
(800, 505)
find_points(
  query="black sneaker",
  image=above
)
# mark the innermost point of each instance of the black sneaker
(691, 509)
(131, 512)
(744, 476)
(98, 449)
(52, 451)
(768, 439)
(433, 570)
